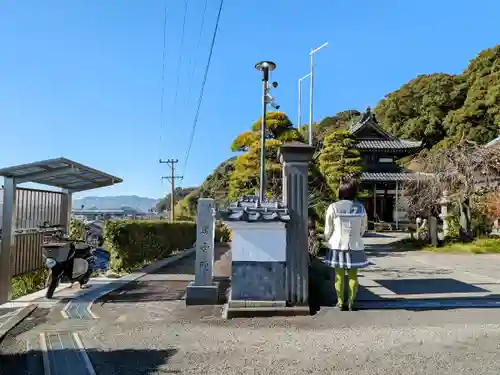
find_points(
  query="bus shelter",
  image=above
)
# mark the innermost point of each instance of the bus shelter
(23, 210)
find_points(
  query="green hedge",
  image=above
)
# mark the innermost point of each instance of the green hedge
(135, 243)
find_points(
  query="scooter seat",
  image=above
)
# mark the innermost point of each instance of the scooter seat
(80, 246)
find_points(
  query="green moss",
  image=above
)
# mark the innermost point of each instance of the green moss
(478, 246)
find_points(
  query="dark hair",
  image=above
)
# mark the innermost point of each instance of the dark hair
(348, 190)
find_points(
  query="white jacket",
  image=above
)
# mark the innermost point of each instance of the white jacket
(345, 225)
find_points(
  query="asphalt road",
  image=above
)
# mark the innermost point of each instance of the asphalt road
(141, 335)
(363, 342)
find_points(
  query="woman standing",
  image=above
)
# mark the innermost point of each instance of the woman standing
(345, 225)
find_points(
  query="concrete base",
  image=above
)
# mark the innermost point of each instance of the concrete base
(254, 308)
(202, 295)
(258, 281)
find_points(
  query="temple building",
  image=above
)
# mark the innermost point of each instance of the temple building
(382, 177)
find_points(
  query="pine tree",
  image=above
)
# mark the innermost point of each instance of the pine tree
(339, 159)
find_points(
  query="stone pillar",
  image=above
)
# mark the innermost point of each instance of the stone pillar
(433, 230)
(8, 241)
(203, 290)
(295, 158)
(445, 213)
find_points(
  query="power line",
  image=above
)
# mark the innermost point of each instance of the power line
(162, 99)
(174, 110)
(200, 98)
(197, 50)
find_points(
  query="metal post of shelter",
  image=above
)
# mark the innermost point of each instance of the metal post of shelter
(65, 214)
(8, 240)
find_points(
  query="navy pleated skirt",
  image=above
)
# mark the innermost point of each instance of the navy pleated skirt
(348, 259)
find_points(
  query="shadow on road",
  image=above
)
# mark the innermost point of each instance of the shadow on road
(114, 362)
(166, 284)
(322, 292)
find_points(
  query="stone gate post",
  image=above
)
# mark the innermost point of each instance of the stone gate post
(203, 290)
(295, 158)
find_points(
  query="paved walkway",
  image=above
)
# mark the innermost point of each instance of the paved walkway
(145, 328)
(399, 279)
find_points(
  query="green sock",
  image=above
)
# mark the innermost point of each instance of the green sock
(352, 275)
(339, 285)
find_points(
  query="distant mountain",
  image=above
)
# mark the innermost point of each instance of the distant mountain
(141, 204)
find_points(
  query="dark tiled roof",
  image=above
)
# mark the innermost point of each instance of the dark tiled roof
(248, 209)
(384, 176)
(368, 119)
(374, 144)
(387, 140)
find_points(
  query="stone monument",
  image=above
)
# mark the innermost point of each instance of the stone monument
(203, 290)
(258, 251)
(270, 261)
(445, 213)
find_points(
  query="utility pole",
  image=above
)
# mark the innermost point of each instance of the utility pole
(311, 86)
(171, 178)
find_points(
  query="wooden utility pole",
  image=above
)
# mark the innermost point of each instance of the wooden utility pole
(171, 178)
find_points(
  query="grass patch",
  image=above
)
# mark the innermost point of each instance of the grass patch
(478, 246)
(28, 283)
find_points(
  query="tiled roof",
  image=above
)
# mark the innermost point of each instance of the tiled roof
(383, 176)
(370, 144)
(249, 210)
(387, 140)
(368, 119)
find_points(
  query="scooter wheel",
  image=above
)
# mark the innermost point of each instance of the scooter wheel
(51, 286)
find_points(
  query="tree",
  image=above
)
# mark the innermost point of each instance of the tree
(478, 119)
(179, 193)
(418, 109)
(492, 205)
(459, 172)
(338, 159)
(244, 178)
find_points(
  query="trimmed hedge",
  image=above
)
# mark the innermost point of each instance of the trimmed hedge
(135, 243)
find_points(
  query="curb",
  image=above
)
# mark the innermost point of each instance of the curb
(131, 277)
(15, 319)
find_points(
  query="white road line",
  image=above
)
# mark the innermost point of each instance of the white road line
(83, 352)
(91, 313)
(45, 355)
(64, 311)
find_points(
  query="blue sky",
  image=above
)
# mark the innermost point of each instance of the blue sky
(82, 79)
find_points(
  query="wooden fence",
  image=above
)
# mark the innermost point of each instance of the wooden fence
(33, 208)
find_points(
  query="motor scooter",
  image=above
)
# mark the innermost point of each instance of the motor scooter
(72, 260)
